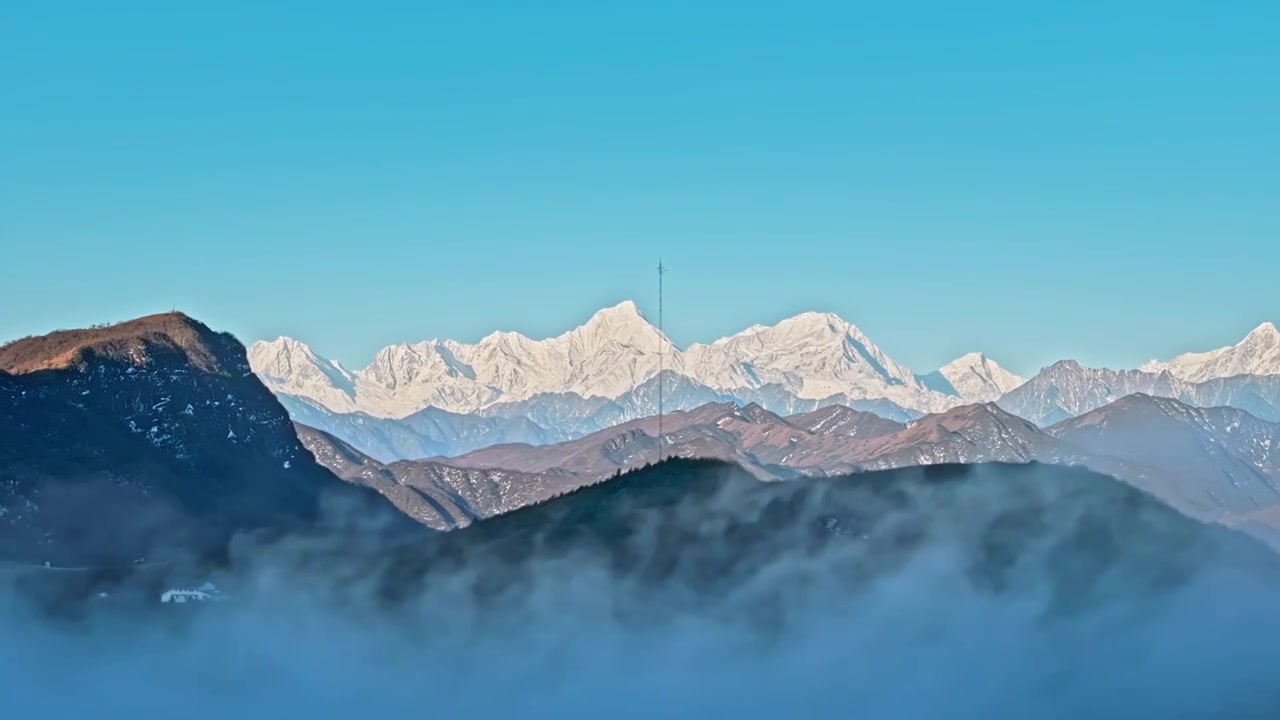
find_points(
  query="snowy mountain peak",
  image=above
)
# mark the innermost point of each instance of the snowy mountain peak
(977, 378)
(813, 323)
(623, 323)
(1257, 354)
(282, 344)
(502, 340)
(753, 330)
(812, 356)
(288, 366)
(625, 311)
(1064, 366)
(280, 347)
(1154, 366)
(286, 357)
(1266, 332)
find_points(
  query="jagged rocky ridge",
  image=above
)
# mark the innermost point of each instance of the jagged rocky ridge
(1068, 389)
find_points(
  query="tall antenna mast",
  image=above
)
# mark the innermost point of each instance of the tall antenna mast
(662, 357)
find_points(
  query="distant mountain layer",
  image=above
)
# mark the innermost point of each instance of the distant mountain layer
(151, 435)
(1245, 376)
(448, 398)
(1257, 354)
(159, 428)
(1216, 464)
(813, 357)
(435, 494)
(830, 441)
(1068, 389)
(546, 419)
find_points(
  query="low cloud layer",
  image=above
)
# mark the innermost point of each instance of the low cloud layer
(934, 633)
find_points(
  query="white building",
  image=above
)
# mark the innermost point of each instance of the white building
(205, 593)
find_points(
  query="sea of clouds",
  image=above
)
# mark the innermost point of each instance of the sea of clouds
(922, 640)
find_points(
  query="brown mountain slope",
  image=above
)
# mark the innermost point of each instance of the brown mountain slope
(829, 441)
(134, 342)
(967, 434)
(708, 431)
(148, 436)
(1222, 480)
(435, 494)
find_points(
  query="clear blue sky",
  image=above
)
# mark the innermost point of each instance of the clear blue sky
(1099, 181)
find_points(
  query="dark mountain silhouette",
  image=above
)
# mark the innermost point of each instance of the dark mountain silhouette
(148, 436)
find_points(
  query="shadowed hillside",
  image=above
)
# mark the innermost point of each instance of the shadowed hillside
(151, 436)
(689, 530)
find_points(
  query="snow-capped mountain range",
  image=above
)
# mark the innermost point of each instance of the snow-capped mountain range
(441, 397)
(1257, 354)
(813, 356)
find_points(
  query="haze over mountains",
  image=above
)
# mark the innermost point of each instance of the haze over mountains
(954, 591)
(447, 398)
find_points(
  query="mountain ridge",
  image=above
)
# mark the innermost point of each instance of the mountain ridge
(1217, 464)
(1257, 354)
(604, 373)
(812, 356)
(1068, 389)
(148, 434)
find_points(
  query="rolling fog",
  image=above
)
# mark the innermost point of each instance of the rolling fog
(921, 640)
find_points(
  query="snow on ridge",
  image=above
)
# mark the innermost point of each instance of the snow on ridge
(1258, 353)
(977, 378)
(812, 356)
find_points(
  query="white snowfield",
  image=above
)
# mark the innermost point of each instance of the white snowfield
(812, 356)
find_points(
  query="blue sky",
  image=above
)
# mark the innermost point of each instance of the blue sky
(1099, 181)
